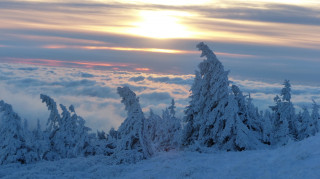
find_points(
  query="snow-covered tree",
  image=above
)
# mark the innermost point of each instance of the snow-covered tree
(171, 130)
(154, 129)
(208, 99)
(132, 143)
(67, 134)
(248, 113)
(267, 127)
(111, 143)
(284, 117)
(315, 115)
(13, 147)
(163, 131)
(105, 144)
(280, 123)
(306, 125)
(53, 125)
(287, 109)
(40, 143)
(172, 108)
(286, 91)
(212, 116)
(79, 134)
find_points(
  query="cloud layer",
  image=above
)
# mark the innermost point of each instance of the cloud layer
(93, 92)
(258, 40)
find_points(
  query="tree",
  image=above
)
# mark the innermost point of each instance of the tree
(13, 147)
(306, 125)
(287, 109)
(154, 130)
(105, 144)
(286, 91)
(163, 131)
(79, 134)
(248, 113)
(212, 115)
(315, 115)
(267, 128)
(40, 142)
(132, 143)
(53, 125)
(67, 134)
(208, 98)
(172, 108)
(280, 123)
(171, 130)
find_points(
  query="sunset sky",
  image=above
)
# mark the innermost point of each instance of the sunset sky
(259, 40)
(263, 42)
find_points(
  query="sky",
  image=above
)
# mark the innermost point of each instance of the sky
(80, 51)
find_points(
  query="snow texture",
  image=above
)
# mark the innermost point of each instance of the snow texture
(295, 160)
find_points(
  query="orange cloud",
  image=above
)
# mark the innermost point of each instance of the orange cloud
(152, 50)
(60, 63)
(142, 69)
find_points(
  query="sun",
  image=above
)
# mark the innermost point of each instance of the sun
(160, 24)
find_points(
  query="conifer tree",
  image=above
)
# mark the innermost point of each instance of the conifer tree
(102, 144)
(267, 128)
(132, 143)
(209, 97)
(172, 108)
(40, 143)
(315, 115)
(79, 134)
(67, 134)
(212, 116)
(280, 123)
(52, 128)
(13, 147)
(287, 109)
(248, 113)
(306, 127)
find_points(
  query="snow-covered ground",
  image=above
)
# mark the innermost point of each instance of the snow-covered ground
(296, 160)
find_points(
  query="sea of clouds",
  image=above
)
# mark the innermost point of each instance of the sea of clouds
(93, 92)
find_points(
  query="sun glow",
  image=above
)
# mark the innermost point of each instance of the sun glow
(161, 24)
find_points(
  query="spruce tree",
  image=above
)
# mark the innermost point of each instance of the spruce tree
(212, 115)
(53, 125)
(315, 115)
(67, 134)
(40, 143)
(132, 142)
(287, 109)
(13, 147)
(248, 113)
(267, 128)
(280, 134)
(172, 108)
(306, 127)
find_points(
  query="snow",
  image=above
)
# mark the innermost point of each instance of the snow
(295, 160)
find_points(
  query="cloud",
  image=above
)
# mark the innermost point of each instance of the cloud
(28, 69)
(86, 75)
(137, 79)
(96, 100)
(175, 80)
(156, 96)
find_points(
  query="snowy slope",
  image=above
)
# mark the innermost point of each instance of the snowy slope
(296, 160)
